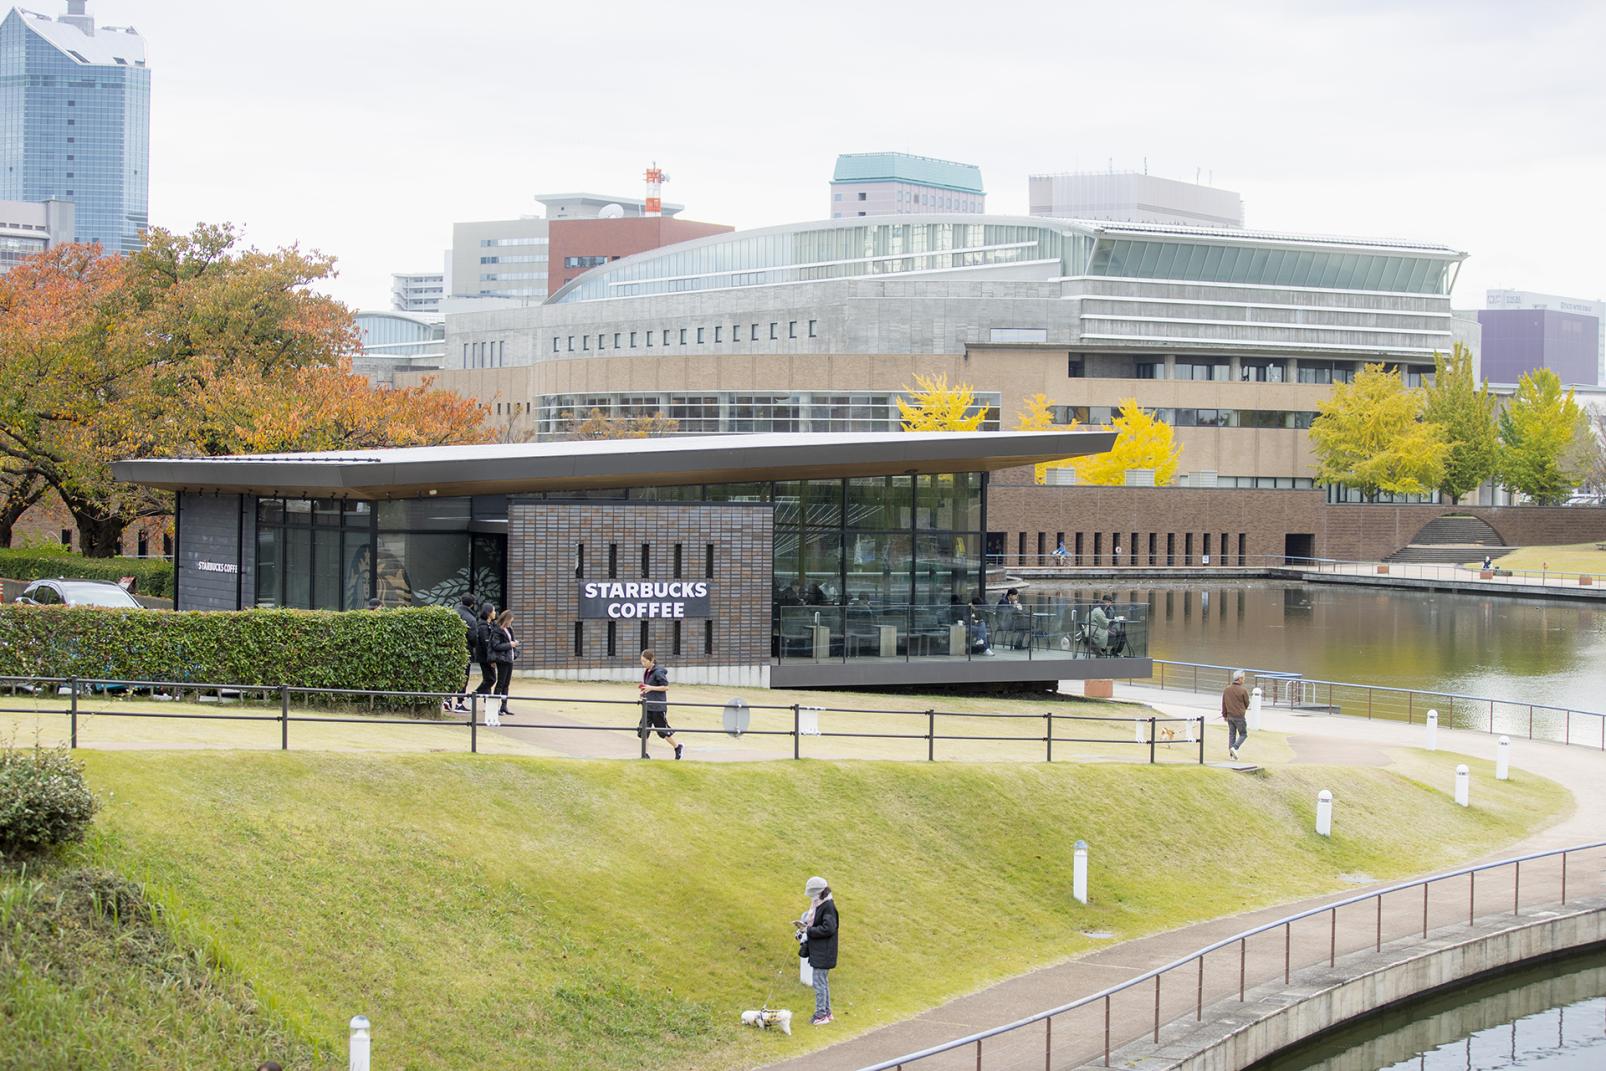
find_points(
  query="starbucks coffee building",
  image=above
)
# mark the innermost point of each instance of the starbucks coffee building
(778, 559)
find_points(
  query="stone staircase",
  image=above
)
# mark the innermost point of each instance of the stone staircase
(1450, 540)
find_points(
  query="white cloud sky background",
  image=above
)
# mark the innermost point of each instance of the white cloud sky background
(364, 129)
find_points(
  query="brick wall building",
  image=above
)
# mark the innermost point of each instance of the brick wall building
(554, 547)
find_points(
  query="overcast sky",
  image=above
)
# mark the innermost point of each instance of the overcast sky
(364, 129)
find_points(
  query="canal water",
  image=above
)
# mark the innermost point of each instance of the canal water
(1530, 650)
(1549, 1018)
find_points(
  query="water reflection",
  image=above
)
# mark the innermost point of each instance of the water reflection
(1537, 650)
(1550, 1018)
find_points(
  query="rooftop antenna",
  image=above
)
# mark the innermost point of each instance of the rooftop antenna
(1196, 175)
(655, 190)
(1145, 165)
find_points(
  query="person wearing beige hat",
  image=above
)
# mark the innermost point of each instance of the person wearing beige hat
(816, 936)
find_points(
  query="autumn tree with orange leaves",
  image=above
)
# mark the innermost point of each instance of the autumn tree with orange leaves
(192, 346)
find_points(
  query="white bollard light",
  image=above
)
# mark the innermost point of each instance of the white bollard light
(1502, 759)
(1461, 790)
(1433, 730)
(1324, 813)
(1079, 873)
(1137, 730)
(360, 1040)
(1253, 720)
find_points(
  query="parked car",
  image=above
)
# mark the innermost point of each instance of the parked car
(64, 592)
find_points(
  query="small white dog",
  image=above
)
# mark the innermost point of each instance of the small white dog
(769, 1019)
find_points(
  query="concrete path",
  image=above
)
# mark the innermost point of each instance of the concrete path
(1320, 738)
(1451, 578)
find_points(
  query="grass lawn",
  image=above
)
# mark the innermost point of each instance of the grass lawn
(1577, 558)
(504, 911)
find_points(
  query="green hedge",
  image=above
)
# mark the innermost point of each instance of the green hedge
(155, 575)
(413, 650)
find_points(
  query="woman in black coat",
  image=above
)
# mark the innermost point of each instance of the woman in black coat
(503, 649)
(816, 934)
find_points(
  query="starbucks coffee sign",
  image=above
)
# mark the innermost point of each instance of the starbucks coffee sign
(643, 599)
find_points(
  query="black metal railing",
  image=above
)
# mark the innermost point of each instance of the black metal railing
(80, 700)
(1364, 927)
(1456, 710)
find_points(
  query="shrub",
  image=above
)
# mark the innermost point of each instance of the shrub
(154, 576)
(412, 650)
(44, 801)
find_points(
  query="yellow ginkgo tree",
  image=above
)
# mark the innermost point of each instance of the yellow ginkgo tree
(935, 406)
(1142, 441)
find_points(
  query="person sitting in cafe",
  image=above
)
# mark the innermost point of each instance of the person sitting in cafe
(1106, 632)
(1011, 621)
(977, 621)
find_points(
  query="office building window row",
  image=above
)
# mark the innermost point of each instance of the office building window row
(533, 258)
(491, 354)
(490, 243)
(732, 412)
(1250, 369)
(1189, 417)
(663, 338)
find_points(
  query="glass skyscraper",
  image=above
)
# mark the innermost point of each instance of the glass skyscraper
(75, 106)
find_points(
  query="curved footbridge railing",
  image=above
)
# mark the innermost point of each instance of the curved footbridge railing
(1091, 1027)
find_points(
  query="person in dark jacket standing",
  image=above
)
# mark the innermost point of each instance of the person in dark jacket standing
(482, 649)
(816, 934)
(471, 636)
(504, 648)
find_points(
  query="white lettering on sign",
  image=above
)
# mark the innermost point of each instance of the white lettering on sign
(217, 567)
(636, 599)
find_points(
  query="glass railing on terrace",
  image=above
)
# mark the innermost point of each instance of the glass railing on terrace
(1041, 629)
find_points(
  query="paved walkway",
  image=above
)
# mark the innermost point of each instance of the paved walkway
(1319, 738)
(1451, 578)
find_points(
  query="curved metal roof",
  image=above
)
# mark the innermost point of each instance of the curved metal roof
(511, 468)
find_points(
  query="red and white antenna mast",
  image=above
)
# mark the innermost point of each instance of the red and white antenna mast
(655, 190)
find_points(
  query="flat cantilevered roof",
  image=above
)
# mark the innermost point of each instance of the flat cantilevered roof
(512, 468)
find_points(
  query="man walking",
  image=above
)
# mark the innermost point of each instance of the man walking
(655, 703)
(1234, 709)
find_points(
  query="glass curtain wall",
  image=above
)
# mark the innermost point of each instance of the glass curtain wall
(875, 565)
(1210, 263)
(904, 548)
(324, 554)
(313, 554)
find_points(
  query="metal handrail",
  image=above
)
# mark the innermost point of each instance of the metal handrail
(1240, 939)
(1270, 563)
(79, 688)
(1393, 690)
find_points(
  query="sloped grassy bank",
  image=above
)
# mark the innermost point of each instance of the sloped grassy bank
(560, 914)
